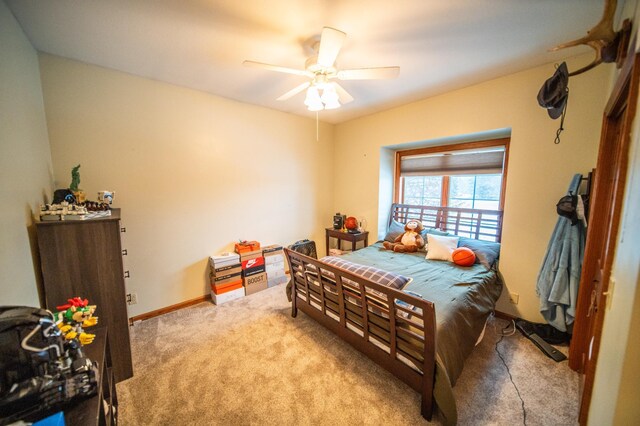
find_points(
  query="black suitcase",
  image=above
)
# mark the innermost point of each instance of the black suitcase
(306, 247)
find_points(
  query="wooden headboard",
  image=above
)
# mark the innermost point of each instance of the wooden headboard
(473, 223)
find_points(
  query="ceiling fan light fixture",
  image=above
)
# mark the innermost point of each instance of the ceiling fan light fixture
(315, 107)
(332, 104)
(321, 68)
(313, 97)
(330, 97)
(329, 93)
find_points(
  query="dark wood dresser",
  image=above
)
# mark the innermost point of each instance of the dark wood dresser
(84, 258)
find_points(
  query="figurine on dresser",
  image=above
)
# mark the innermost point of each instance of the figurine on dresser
(71, 203)
(73, 317)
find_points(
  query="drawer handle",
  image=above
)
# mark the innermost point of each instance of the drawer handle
(126, 274)
(124, 252)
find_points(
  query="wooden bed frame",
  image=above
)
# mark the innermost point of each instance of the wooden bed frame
(472, 223)
(400, 339)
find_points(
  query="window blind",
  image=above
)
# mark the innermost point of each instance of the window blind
(470, 162)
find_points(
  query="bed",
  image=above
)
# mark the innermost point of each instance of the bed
(433, 324)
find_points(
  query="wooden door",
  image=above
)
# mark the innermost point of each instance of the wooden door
(606, 205)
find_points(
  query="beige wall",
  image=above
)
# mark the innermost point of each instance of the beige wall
(615, 391)
(188, 167)
(25, 161)
(539, 171)
(192, 172)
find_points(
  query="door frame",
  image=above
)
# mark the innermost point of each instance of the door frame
(606, 207)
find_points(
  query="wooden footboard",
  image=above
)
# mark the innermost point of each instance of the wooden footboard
(392, 328)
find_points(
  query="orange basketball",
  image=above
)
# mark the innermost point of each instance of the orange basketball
(463, 256)
(351, 223)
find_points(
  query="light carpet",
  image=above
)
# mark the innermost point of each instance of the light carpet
(249, 362)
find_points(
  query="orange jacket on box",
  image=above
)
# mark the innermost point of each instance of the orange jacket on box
(245, 246)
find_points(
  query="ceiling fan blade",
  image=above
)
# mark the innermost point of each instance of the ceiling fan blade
(380, 73)
(344, 96)
(294, 91)
(330, 44)
(277, 68)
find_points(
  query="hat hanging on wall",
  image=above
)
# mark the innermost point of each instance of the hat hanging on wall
(554, 94)
(567, 207)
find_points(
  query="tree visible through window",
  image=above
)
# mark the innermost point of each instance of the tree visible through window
(475, 192)
(467, 191)
(423, 190)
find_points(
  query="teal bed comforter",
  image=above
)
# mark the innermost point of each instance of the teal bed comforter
(463, 297)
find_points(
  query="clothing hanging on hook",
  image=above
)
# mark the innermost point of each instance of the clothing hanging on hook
(557, 283)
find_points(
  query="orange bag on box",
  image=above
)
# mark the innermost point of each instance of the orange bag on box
(247, 246)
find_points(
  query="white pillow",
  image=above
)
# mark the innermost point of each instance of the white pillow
(440, 247)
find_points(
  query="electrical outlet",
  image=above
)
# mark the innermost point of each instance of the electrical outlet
(514, 297)
(132, 298)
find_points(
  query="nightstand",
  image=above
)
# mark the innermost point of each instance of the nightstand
(345, 236)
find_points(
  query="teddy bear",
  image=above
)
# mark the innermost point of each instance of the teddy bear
(409, 241)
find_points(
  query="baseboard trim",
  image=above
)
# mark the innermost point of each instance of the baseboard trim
(168, 309)
(504, 316)
(177, 306)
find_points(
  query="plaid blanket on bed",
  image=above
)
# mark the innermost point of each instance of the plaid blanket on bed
(378, 276)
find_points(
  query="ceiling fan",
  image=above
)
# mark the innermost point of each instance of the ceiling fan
(321, 69)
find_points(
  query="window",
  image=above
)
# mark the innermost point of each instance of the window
(423, 190)
(475, 191)
(468, 175)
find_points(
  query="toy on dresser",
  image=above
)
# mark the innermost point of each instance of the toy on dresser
(71, 203)
(72, 317)
(62, 210)
(70, 211)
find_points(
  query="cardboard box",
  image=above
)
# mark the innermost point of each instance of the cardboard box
(219, 299)
(223, 279)
(223, 264)
(276, 274)
(252, 271)
(271, 282)
(257, 280)
(274, 257)
(224, 259)
(271, 249)
(274, 267)
(250, 255)
(255, 283)
(227, 270)
(254, 288)
(252, 263)
(226, 287)
(247, 246)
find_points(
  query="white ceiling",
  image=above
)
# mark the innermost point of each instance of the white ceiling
(440, 45)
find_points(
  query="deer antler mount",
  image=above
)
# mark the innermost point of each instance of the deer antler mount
(609, 45)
